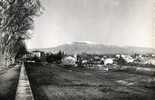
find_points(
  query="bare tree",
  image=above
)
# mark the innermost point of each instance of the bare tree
(16, 19)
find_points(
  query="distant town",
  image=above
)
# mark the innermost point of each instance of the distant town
(78, 50)
(92, 60)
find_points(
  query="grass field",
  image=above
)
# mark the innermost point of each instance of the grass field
(8, 83)
(55, 82)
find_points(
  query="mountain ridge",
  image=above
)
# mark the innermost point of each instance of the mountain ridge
(94, 48)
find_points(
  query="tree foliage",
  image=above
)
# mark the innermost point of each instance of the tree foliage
(121, 61)
(16, 19)
(55, 57)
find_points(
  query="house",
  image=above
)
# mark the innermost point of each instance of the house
(35, 56)
(150, 61)
(127, 58)
(38, 54)
(108, 61)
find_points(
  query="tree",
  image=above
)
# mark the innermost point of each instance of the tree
(55, 57)
(16, 19)
(79, 61)
(121, 61)
(20, 50)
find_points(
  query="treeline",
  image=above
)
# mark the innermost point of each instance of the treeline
(54, 58)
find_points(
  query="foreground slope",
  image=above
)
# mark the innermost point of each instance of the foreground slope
(55, 82)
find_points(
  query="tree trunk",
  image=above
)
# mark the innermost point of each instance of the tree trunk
(6, 60)
(2, 60)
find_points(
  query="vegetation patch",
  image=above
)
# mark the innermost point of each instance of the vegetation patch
(55, 82)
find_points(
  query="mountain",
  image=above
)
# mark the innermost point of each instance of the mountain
(84, 47)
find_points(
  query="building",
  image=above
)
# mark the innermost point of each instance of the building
(69, 60)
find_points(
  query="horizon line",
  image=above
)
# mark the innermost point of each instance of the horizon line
(93, 43)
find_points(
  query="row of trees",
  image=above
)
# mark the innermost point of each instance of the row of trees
(55, 57)
(16, 21)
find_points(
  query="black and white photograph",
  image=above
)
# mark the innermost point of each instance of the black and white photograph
(77, 49)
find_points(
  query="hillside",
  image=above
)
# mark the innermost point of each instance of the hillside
(82, 47)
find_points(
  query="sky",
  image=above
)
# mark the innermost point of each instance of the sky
(109, 22)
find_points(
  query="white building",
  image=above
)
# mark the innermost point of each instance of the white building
(127, 58)
(69, 60)
(150, 61)
(108, 61)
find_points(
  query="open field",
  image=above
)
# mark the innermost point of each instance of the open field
(54, 82)
(8, 83)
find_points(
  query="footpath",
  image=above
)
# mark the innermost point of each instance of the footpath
(24, 91)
